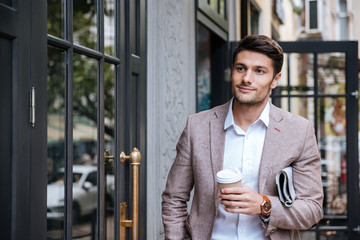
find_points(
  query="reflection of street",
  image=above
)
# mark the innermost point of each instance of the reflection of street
(84, 230)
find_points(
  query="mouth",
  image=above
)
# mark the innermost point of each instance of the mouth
(244, 89)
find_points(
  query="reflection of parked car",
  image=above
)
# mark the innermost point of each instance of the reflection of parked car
(84, 192)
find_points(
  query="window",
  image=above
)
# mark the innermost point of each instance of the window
(313, 11)
(313, 15)
(254, 19)
(213, 87)
(343, 21)
(214, 10)
(279, 11)
(82, 58)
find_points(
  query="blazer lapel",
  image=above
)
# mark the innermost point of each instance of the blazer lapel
(271, 146)
(217, 142)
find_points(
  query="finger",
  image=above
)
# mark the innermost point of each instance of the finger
(230, 204)
(237, 210)
(233, 197)
(233, 210)
(236, 190)
(242, 210)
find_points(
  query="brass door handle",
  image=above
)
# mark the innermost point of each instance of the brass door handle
(108, 158)
(134, 159)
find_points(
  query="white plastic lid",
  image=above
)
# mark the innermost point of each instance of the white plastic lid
(229, 175)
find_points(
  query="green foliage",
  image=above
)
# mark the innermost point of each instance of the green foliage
(85, 70)
(297, 10)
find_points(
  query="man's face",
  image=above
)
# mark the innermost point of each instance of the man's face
(252, 77)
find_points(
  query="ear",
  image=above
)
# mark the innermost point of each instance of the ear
(275, 81)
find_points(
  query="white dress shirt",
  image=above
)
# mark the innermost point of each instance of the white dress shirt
(243, 150)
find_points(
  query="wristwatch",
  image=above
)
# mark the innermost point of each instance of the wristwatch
(265, 206)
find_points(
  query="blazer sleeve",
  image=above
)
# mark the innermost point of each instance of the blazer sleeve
(178, 187)
(307, 209)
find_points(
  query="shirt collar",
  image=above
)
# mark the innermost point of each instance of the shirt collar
(264, 116)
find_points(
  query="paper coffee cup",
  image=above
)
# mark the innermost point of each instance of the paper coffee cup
(230, 177)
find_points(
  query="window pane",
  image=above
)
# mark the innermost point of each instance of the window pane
(313, 14)
(333, 235)
(85, 23)
(109, 26)
(332, 145)
(222, 8)
(298, 105)
(55, 18)
(325, 235)
(109, 121)
(297, 75)
(254, 20)
(214, 5)
(331, 73)
(204, 68)
(55, 142)
(85, 147)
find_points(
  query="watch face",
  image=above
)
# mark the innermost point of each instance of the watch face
(267, 206)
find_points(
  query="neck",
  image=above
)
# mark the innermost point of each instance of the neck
(247, 114)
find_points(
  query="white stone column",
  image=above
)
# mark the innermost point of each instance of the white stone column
(171, 93)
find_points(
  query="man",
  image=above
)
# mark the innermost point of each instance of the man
(260, 139)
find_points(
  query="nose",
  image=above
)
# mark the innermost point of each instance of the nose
(247, 77)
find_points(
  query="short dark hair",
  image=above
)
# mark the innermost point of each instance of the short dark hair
(262, 44)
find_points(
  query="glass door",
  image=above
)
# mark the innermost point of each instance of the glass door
(92, 84)
(319, 82)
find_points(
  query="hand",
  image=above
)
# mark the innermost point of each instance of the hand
(241, 200)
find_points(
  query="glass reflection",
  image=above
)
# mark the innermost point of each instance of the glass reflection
(109, 121)
(302, 106)
(331, 73)
(332, 145)
(85, 23)
(333, 235)
(203, 68)
(325, 235)
(55, 142)
(55, 18)
(222, 8)
(85, 147)
(109, 26)
(297, 74)
(214, 4)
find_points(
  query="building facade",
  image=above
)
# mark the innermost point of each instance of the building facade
(84, 81)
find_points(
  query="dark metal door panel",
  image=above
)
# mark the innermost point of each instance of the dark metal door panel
(20, 70)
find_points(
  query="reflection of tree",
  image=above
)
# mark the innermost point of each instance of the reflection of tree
(55, 23)
(84, 69)
(56, 83)
(84, 94)
(84, 22)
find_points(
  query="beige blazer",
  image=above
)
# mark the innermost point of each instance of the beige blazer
(289, 140)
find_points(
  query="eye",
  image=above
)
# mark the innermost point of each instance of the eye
(260, 71)
(240, 69)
